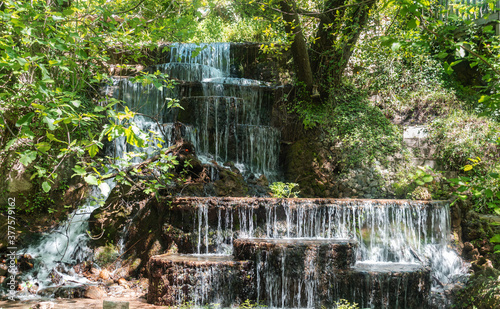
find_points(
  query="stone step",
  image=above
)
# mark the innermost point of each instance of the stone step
(385, 227)
(382, 285)
(289, 255)
(289, 280)
(177, 279)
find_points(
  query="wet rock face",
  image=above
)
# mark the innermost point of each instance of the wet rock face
(392, 285)
(230, 184)
(292, 253)
(109, 221)
(178, 279)
(289, 272)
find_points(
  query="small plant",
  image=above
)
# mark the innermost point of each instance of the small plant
(481, 185)
(247, 304)
(284, 190)
(422, 176)
(344, 304)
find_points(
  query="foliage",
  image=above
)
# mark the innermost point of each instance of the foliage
(229, 21)
(53, 60)
(344, 304)
(461, 136)
(481, 184)
(454, 39)
(284, 190)
(405, 80)
(421, 181)
(360, 129)
(248, 304)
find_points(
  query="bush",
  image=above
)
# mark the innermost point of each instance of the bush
(461, 136)
(360, 129)
(284, 190)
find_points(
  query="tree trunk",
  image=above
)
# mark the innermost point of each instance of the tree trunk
(340, 25)
(299, 47)
(338, 32)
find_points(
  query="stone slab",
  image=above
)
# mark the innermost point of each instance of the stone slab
(111, 304)
(199, 280)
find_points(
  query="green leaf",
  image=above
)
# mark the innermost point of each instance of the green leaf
(10, 143)
(46, 186)
(91, 180)
(39, 106)
(419, 182)
(27, 157)
(495, 238)
(93, 150)
(79, 171)
(25, 120)
(428, 178)
(43, 147)
(387, 40)
(483, 98)
(50, 123)
(488, 29)
(53, 138)
(442, 55)
(82, 54)
(413, 23)
(494, 175)
(104, 188)
(488, 193)
(491, 205)
(68, 12)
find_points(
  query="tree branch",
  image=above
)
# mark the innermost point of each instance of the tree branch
(133, 8)
(143, 163)
(7, 125)
(319, 15)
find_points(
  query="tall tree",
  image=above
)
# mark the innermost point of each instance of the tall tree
(322, 34)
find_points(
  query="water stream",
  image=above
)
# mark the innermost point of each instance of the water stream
(382, 254)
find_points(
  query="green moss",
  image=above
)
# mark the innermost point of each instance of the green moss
(106, 255)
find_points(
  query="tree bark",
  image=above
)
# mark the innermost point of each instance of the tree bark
(338, 33)
(339, 28)
(299, 48)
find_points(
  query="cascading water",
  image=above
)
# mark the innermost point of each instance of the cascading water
(303, 253)
(396, 247)
(226, 118)
(55, 254)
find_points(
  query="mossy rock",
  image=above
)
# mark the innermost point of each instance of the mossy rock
(308, 165)
(230, 184)
(482, 291)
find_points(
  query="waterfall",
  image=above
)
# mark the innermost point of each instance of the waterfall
(280, 252)
(388, 231)
(234, 122)
(55, 254)
(312, 252)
